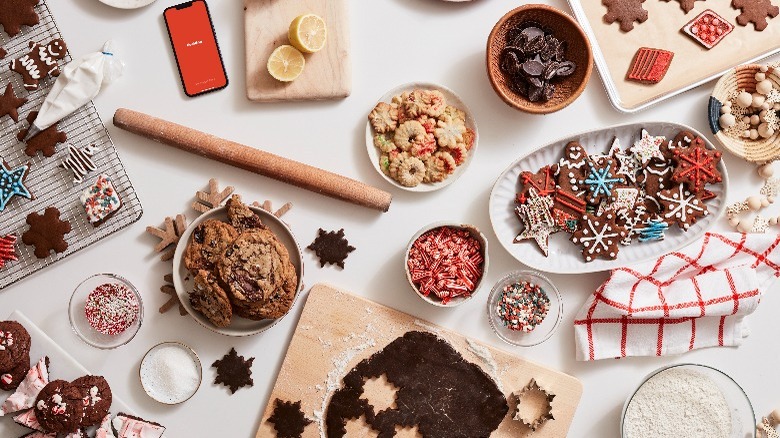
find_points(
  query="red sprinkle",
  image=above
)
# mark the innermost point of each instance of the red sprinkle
(111, 308)
(447, 262)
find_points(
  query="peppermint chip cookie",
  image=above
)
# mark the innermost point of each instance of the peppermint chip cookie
(14, 345)
(96, 397)
(209, 241)
(10, 379)
(59, 407)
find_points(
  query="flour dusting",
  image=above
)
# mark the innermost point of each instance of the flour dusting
(483, 353)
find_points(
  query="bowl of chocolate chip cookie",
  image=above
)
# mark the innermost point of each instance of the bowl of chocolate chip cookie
(238, 269)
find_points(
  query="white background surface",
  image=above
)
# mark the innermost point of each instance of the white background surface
(393, 42)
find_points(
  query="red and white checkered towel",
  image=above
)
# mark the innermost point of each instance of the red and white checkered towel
(694, 298)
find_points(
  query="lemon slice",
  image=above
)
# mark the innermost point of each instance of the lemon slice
(286, 63)
(308, 33)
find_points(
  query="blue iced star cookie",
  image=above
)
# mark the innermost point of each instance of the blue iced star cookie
(12, 183)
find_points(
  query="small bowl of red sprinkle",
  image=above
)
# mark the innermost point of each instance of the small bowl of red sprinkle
(524, 308)
(106, 311)
(446, 262)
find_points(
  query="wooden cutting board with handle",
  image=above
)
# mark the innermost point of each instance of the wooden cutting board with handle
(327, 73)
(337, 330)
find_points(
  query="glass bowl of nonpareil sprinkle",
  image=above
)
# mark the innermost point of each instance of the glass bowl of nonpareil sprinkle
(106, 311)
(524, 308)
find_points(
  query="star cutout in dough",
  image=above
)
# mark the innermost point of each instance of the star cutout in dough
(12, 183)
(537, 220)
(9, 103)
(648, 147)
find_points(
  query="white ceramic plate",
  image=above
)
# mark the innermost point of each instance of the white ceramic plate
(61, 365)
(566, 257)
(452, 99)
(183, 281)
(127, 4)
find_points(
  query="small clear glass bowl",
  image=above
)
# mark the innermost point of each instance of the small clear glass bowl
(78, 318)
(543, 331)
(145, 370)
(743, 419)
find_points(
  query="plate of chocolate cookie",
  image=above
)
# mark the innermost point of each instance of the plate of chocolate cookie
(238, 269)
(598, 200)
(421, 137)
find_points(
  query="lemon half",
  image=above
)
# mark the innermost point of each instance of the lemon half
(308, 33)
(286, 63)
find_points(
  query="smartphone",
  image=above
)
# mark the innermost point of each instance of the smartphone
(195, 48)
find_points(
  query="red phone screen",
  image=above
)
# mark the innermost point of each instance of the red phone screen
(195, 47)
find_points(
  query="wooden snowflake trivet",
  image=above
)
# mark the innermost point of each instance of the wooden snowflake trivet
(267, 206)
(206, 200)
(169, 235)
(170, 290)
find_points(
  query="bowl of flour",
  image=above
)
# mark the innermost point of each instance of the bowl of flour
(691, 401)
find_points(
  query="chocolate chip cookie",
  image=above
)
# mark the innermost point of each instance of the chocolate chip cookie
(260, 277)
(211, 300)
(240, 216)
(59, 407)
(209, 241)
(96, 397)
(14, 345)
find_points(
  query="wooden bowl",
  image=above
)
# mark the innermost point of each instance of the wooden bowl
(568, 89)
(761, 150)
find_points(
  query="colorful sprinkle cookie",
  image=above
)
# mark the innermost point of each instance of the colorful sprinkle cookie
(100, 200)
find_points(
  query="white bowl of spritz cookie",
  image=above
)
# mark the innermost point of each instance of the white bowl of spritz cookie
(421, 137)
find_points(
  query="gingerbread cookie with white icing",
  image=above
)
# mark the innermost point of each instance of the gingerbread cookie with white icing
(39, 62)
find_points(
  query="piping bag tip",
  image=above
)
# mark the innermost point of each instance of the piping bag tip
(32, 132)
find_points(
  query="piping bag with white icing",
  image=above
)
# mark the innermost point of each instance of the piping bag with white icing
(78, 83)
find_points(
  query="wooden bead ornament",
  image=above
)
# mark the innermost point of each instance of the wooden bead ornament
(756, 203)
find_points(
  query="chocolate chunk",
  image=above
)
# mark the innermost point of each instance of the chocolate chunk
(438, 391)
(533, 67)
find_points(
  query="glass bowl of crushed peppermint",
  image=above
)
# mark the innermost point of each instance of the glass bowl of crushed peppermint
(106, 311)
(524, 308)
(446, 262)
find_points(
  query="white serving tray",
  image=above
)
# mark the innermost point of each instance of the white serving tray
(62, 366)
(566, 257)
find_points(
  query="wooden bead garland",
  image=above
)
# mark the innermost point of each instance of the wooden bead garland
(759, 223)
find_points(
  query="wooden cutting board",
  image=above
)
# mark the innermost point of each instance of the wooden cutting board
(327, 74)
(337, 330)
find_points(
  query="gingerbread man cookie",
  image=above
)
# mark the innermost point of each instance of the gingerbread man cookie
(39, 62)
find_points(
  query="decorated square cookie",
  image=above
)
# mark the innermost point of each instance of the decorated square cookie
(100, 200)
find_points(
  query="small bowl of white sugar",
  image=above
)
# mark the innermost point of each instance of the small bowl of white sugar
(171, 373)
(688, 400)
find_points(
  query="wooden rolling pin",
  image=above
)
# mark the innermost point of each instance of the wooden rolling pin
(254, 160)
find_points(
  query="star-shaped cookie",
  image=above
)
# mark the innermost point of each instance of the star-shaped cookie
(9, 103)
(12, 183)
(538, 222)
(648, 147)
